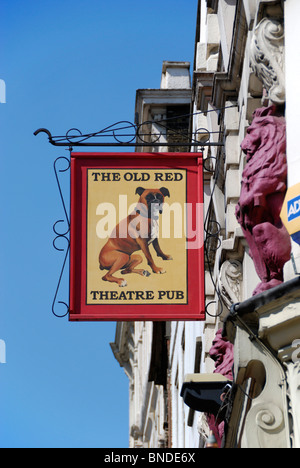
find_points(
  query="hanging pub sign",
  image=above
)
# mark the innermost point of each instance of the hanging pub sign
(136, 237)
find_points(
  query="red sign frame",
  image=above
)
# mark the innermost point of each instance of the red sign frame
(88, 171)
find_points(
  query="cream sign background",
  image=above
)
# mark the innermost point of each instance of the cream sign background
(111, 197)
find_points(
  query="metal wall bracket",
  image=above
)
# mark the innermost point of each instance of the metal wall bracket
(61, 235)
(127, 134)
(121, 134)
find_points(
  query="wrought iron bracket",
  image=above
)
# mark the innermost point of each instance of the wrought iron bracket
(127, 134)
(61, 235)
(120, 134)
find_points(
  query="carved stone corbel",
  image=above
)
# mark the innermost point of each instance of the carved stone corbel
(264, 421)
(267, 58)
(230, 282)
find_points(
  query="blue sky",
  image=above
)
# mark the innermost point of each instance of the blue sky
(65, 64)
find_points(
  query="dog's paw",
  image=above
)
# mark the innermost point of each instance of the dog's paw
(146, 273)
(168, 257)
(123, 284)
(159, 271)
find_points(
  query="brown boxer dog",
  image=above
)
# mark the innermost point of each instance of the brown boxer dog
(135, 233)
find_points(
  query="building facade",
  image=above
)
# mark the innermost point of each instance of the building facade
(241, 363)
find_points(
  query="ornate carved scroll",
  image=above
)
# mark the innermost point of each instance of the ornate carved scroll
(230, 282)
(267, 58)
(293, 379)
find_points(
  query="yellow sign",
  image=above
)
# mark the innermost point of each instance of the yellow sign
(290, 213)
(136, 237)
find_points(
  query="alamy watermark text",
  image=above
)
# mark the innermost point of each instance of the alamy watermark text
(176, 220)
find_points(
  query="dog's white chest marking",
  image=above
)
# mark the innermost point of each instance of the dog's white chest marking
(154, 230)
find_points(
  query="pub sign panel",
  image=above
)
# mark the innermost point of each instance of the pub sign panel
(136, 237)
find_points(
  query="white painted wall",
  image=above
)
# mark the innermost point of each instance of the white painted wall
(182, 357)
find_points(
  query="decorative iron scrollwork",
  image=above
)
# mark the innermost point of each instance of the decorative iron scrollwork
(61, 235)
(211, 244)
(125, 133)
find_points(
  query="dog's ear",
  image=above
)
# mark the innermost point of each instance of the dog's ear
(165, 192)
(139, 191)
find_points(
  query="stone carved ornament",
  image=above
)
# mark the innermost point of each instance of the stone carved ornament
(264, 184)
(267, 58)
(230, 282)
(264, 422)
(293, 379)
